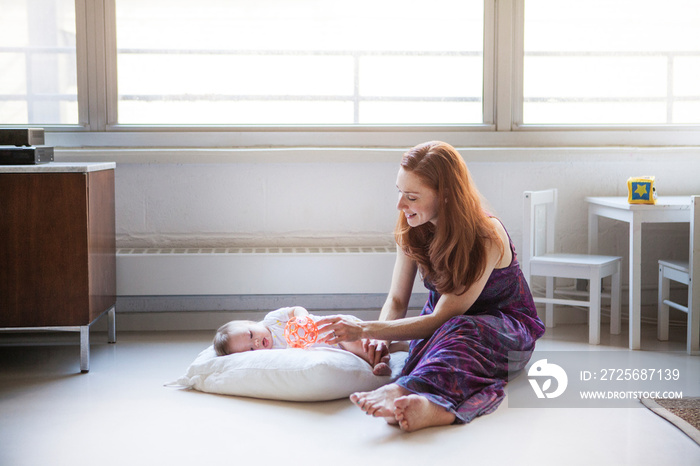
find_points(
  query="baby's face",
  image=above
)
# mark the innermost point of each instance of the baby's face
(249, 337)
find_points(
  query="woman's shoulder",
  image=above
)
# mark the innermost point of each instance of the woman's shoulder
(503, 245)
(497, 225)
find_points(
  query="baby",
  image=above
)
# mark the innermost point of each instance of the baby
(239, 336)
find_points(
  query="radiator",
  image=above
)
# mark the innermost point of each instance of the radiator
(254, 271)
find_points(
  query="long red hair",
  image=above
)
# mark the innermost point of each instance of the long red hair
(452, 253)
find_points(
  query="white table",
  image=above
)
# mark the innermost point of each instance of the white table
(668, 209)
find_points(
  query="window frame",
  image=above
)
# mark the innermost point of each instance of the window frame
(502, 104)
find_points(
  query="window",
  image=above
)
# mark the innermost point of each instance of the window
(352, 73)
(301, 62)
(38, 70)
(603, 62)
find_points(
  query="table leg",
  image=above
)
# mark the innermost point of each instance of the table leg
(592, 232)
(635, 285)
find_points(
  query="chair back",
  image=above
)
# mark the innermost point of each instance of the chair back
(539, 218)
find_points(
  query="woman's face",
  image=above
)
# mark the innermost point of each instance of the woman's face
(418, 202)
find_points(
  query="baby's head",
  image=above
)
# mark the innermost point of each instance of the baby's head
(239, 336)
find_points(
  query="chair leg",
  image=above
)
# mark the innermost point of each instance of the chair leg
(662, 309)
(693, 329)
(693, 333)
(594, 312)
(549, 307)
(615, 317)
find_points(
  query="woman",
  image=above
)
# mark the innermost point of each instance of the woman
(479, 308)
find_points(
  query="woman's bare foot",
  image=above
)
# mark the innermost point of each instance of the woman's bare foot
(414, 412)
(380, 402)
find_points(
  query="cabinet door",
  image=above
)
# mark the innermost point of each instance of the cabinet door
(43, 250)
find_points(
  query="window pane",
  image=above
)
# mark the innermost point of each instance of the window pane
(611, 62)
(299, 62)
(38, 75)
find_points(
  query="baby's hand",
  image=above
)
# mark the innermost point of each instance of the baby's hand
(297, 311)
(382, 368)
(376, 350)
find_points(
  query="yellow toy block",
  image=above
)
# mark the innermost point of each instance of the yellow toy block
(641, 190)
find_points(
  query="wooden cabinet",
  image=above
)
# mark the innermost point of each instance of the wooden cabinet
(57, 248)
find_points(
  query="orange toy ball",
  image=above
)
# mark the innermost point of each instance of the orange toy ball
(300, 332)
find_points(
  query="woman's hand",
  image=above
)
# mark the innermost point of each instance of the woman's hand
(335, 329)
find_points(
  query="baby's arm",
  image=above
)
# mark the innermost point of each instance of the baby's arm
(297, 311)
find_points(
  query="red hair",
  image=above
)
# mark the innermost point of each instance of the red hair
(451, 254)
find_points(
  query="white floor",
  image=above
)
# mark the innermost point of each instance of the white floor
(121, 414)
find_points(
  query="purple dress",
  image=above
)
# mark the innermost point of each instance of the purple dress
(464, 365)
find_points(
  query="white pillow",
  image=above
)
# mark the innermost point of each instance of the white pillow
(314, 374)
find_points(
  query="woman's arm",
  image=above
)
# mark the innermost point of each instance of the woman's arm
(402, 279)
(396, 304)
(395, 307)
(411, 328)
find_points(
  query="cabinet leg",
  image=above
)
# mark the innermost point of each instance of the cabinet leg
(111, 326)
(84, 348)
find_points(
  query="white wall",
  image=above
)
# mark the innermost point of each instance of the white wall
(348, 197)
(241, 204)
(329, 199)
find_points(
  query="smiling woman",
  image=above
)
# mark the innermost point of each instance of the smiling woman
(479, 309)
(417, 201)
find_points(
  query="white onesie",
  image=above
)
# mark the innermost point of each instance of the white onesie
(276, 320)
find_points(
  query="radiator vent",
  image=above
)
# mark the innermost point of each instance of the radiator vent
(266, 250)
(254, 270)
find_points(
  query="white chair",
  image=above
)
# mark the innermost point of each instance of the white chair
(539, 259)
(683, 272)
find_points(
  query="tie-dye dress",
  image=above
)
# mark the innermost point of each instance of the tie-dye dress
(464, 365)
